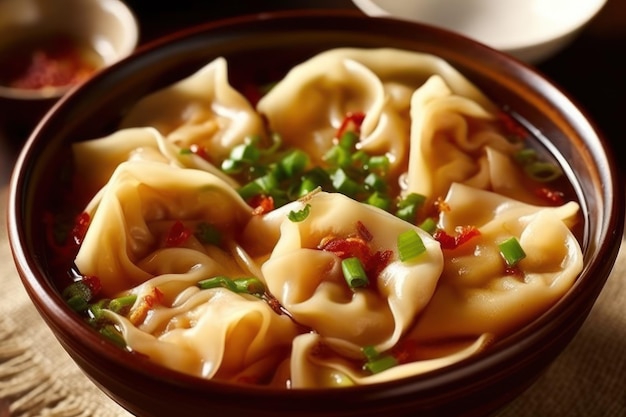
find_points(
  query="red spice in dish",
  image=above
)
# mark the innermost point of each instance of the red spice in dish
(57, 61)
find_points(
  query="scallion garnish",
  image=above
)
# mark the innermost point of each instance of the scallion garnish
(511, 251)
(409, 206)
(344, 184)
(248, 285)
(122, 305)
(429, 225)
(410, 245)
(379, 200)
(380, 364)
(300, 215)
(543, 171)
(208, 234)
(375, 362)
(354, 273)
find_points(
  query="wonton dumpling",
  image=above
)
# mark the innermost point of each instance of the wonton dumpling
(311, 370)
(448, 141)
(309, 104)
(136, 210)
(310, 284)
(475, 294)
(215, 334)
(203, 109)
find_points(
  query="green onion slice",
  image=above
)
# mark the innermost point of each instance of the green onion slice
(354, 273)
(511, 251)
(380, 364)
(410, 245)
(300, 215)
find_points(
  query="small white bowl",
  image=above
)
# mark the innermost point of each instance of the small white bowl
(530, 30)
(107, 27)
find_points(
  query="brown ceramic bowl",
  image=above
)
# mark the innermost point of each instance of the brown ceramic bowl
(475, 387)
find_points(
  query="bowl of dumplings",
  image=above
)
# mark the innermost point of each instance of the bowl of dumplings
(315, 213)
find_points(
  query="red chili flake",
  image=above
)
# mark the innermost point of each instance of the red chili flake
(511, 126)
(404, 352)
(552, 196)
(80, 228)
(464, 233)
(352, 120)
(155, 298)
(349, 247)
(178, 234)
(363, 231)
(261, 204)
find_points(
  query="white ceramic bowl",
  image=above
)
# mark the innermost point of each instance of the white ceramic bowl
(530, 30)
(108, 27)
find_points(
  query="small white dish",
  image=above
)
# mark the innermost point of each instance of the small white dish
(107, 29)
(530, 30)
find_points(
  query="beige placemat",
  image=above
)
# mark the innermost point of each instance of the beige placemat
(38, 378)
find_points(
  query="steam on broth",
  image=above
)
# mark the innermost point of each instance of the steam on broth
(370, 217)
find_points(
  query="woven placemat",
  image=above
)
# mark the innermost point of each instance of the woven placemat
(38, 378)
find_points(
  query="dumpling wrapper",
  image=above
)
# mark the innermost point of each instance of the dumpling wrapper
(449, 137)
(309, 104)
(215, 334)
(202, 109)
(310, 284)
(475, 295)
(136, 209)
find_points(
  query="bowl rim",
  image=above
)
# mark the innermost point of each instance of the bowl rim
(374, 8)
(37, 286)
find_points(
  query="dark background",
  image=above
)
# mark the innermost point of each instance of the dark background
(591, 70)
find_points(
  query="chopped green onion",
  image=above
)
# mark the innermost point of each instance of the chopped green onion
(379, 200)
(370, 352)
(250, 285)
(354, 273)
(380, 364)
(410, 245)
(375, 182)
(337, 157)
(111, 332)
(360, 159)
(77, 295)
(344, 184)
(429, 225)
(379, 164)
(300, 215)
(543, 171)
(122, 304)
(511, 251)
(526, 155)
(208, 234)
(348, 140)
(185, 151)
(246, 152)
(294, 163)
(230, 166)
(409, 206)
(250, 190)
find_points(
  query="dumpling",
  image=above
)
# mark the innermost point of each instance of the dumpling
(215, 334)
(449, 137)
(304, 271)
(477, 293)
(309, 105)
(202, 109)
(330, 368)
(137, 211)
